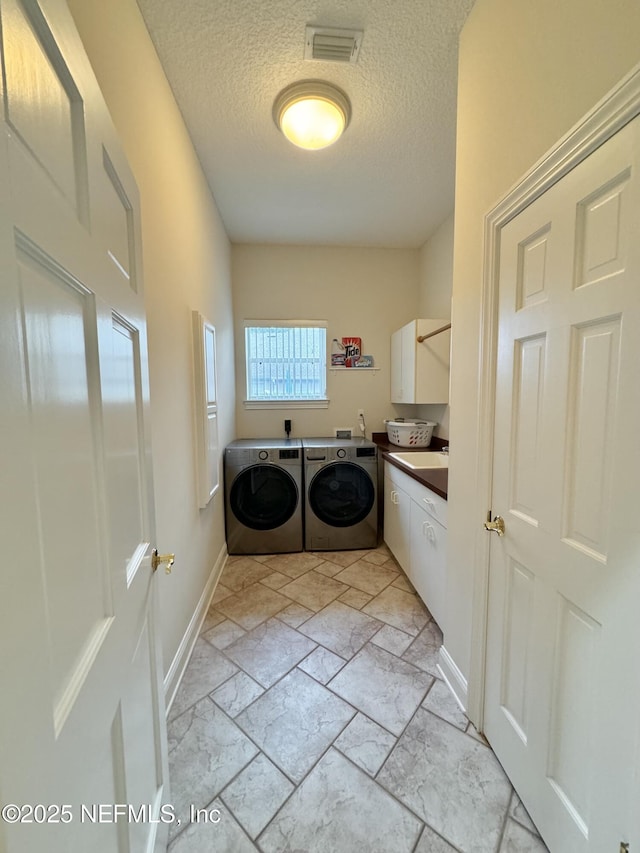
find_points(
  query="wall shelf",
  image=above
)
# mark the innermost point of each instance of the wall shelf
(354, 369)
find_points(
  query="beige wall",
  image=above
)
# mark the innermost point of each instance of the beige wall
(436, 272)
(434, 300)
(186, 266)
(364, 292)
(527, 73)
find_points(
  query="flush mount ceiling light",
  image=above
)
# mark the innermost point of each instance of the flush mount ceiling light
(312, 114)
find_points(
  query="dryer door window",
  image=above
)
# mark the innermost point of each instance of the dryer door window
(263, 497)
(341, 494)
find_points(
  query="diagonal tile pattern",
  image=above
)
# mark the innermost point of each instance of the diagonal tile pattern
(367, 577)
(206, 750)
(236, 693)
(312, 717)
(223, 634)
(441, 701)
(341, 628)
(269, 651)
(295, 722)
(398, 608)
(257, 794)
(423, 652)
(366, 743)
(227, 832)
(253, 605)
(335, 809)
(432, 759)
(384, 688)
(314, 590)
(244, 572)
(206, 670)
(392, 640)
(322, 664)
(355, 598)
(293, 565)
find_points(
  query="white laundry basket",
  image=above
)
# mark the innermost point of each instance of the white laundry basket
(410, 433)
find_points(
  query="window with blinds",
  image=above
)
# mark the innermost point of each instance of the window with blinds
(286, 362)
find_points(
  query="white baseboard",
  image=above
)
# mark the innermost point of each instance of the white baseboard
(181, 658)
(456, 681)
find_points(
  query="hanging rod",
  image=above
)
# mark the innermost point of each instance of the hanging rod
(422, 338)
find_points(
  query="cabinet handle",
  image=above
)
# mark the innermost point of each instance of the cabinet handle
(430, 533)
(429, 503)
(394, 497)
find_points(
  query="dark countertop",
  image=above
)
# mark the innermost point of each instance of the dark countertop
(436, 479)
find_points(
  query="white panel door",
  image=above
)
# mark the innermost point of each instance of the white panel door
(428, 560)
(562, 667)
(81, 713)
(397, 522)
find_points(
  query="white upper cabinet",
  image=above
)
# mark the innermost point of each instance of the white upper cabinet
(420, 371)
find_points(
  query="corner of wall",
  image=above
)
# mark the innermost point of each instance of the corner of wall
(436, 272)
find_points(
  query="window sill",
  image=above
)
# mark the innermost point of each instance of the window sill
(286, 404)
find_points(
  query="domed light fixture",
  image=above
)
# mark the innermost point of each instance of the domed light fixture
(312, 114)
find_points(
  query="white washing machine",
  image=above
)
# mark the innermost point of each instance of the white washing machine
(341, 494)
(263, 496)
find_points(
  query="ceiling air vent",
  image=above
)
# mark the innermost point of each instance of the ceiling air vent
(327, 44)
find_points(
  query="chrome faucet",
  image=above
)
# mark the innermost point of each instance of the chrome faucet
(445, 449)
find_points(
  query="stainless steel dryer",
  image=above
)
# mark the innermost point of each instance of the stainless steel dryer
(341, 494)
(263, 496)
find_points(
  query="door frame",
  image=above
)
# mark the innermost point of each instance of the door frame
(620, 106)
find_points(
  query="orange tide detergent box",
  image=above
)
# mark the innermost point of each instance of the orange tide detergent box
(352, 350)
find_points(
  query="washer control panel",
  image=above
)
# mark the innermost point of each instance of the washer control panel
(360, 453)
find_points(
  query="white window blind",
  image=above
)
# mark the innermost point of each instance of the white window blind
(286, 362)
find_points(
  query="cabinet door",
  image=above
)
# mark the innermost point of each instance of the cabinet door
(403, 364)
(397, 517)
(420, 372)
(409, 343)
(396, 367)
(428, 555)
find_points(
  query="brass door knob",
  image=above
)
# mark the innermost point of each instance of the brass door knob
(159, 559)
(495, 526)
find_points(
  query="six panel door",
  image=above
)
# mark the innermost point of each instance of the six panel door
(82, 707)
(562, 629)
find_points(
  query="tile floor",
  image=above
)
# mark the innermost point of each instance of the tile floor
(311, 717)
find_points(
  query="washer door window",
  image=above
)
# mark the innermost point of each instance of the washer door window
(341, 494)
(263, 497)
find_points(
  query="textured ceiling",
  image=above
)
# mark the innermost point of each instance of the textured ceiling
(388, 182)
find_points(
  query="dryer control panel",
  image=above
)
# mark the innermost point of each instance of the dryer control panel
(334, 450)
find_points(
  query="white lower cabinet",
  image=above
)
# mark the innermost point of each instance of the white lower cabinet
(415, 530)
(428, 559)
(397, 519)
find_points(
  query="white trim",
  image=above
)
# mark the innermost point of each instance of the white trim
(283, 324)
(455, 680)
(287, 404)
(205, 410)
(615, 110)
(181, 658)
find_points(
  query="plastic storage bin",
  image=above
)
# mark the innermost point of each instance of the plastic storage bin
(410, 433)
